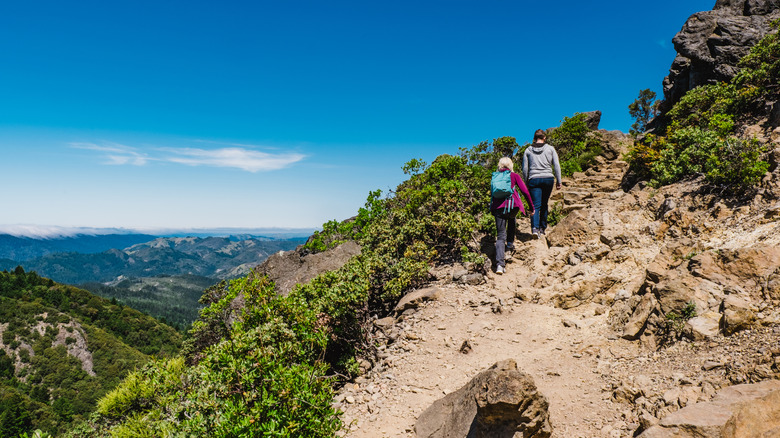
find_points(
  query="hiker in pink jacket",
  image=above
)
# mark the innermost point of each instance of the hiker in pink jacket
(505, 211)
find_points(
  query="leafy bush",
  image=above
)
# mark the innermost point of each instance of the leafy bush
(266, 377)
(577, 146)
(673, 324)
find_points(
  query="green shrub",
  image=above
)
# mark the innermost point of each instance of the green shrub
(577, 146)
(673, 325)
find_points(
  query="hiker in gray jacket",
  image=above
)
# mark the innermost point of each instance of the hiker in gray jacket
(540, 170)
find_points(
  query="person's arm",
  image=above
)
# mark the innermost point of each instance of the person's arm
(525, 166)
(526, 194)
(557, 169)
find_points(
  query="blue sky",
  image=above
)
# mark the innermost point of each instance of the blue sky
(199, 114)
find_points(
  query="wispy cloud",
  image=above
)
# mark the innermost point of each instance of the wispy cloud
(231, 157)
(239, 158)
(117, 153)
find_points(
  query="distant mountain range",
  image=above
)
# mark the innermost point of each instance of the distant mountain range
(82, 259)
(22, 248)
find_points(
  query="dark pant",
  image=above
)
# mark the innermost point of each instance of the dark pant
(505, 227)
(540, 189)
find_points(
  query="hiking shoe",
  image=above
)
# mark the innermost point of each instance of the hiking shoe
(535, 233)
(500, 270)
(541, 232)
(509, 253)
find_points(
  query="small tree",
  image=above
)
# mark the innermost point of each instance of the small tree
(643, 109)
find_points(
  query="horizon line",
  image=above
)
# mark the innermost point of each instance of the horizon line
(56, 231)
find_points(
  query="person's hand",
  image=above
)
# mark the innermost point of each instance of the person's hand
(558, 186)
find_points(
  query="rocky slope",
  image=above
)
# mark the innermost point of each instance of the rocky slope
(587, 312)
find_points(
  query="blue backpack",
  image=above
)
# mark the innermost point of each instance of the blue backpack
(501, 188)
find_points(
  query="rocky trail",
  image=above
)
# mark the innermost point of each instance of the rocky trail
(566, 312)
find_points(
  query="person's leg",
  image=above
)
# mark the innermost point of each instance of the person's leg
(511, 229)
(501, 225)
(546, 186)
(536, 197)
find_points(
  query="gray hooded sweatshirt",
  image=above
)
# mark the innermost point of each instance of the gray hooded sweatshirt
(540, 161)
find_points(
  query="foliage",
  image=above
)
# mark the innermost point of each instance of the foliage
(643, 109)
(576, 144)
(555, 214)
(266, 377)
(721, 158)
(43, 321)
(674, 323)
(699, 137)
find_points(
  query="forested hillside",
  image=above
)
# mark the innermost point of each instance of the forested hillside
(62, 348)
(173, 299)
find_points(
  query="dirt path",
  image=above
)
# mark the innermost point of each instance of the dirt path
(561, 350)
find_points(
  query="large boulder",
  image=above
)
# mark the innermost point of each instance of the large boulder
(711, 43)
(289, 268)
(756, 418)
(499, 402)
(577, 227)
(731, 413)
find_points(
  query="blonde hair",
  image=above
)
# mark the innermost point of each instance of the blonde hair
(506, 163)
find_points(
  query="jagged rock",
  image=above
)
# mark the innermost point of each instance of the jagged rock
(705, 326)
(709, 419)
(413, 299)
(592, 119)
(499, 402)
(577, 227)
(756, 418)
(677, 288)
(583, 291)
(473, 279)
(614, 144)
(385, 323)
(638, 319)
(289, 268)
(711, 43)
(737, 314)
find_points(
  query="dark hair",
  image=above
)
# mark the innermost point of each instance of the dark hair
(539, 134)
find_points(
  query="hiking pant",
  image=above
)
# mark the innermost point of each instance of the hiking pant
(540, 189)
(505, 228)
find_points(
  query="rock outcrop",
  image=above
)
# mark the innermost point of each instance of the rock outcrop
(289, 268)
(499, 402)
(711, 43)
(737, 411)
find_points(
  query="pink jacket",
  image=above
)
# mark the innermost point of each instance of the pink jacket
(517, 181)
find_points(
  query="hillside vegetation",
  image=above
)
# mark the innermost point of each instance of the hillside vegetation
(62, 348)
(174, 299)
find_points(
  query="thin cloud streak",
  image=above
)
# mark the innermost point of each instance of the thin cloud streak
(117, 154)
(232, 157)
(251, 161)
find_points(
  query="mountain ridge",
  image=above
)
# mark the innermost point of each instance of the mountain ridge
(216, 257)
